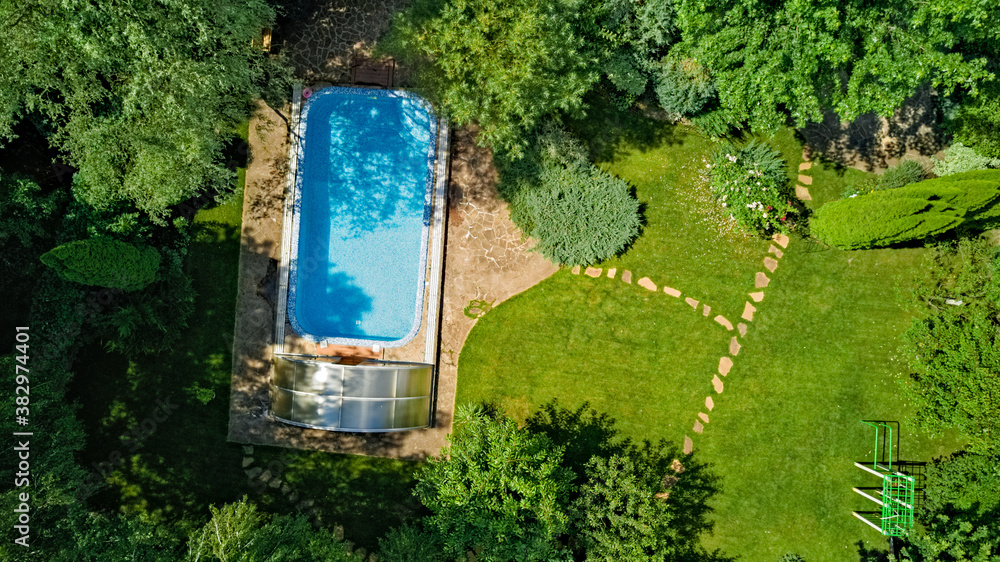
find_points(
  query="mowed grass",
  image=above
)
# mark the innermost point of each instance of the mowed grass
(820, 355)
(639, 355)
(184, 464)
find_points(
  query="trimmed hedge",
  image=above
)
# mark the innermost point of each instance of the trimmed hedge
(914, 212)
(104, 262)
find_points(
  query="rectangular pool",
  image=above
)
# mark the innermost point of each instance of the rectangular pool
(361, 217)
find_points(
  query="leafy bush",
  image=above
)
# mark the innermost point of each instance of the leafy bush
(683, 87)
(907, 172)
(104, 262)
(716, 123)
(751, 184)
(959, 158)
(579, 213)
(151, 320)
(954, 348)
(915, 212)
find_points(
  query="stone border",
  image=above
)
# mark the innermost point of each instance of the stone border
(424, 233)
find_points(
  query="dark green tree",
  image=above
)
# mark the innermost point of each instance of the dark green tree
(497, 490)
(139, 96)
(783, 60)
(501, 65)
(104, 262)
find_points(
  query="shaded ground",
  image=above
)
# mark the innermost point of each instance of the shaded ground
(872, 143)
(485, 259)
(319, 37)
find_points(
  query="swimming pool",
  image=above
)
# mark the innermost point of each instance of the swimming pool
(361, 216)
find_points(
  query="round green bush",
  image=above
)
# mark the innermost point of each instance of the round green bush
(582, 214)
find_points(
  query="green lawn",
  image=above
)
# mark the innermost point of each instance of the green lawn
(819, 357)
(186, 464)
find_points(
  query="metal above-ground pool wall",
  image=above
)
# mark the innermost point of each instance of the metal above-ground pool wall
(374, 396)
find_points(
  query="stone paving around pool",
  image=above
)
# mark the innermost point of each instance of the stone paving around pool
(761, 281)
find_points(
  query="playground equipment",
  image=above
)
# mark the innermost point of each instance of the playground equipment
(897, 491)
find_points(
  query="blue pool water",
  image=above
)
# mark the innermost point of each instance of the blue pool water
(362, 211)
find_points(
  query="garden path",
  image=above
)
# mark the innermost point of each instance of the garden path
(761, 281)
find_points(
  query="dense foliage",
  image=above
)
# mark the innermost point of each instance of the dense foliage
(579, 213)
(771, 61)
(501, 65)
(751, 183)
(960, 514)
(137, 96)
(915, 212)
(959, 158)
(907, 172)
(954, 346)
(104, 262)
(561, 488)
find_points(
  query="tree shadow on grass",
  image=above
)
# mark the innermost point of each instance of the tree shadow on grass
(609, 132)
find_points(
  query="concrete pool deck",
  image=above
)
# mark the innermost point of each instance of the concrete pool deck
(483, 256)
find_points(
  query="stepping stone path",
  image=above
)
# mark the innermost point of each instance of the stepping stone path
(761, 281)
(802, 192)
(725, 364)
(575, 270)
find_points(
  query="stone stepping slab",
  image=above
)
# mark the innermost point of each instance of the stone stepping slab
(805, 166)
(612, 271)
(698, 428)
(802, 193)
(647, 283)
(692, 302)
(725, 364)
(757, 297)
(781, 240)
(748, 311)
(734, 346)
(706, 310)
(593, 272)
(709, 403)
(688, 445)
(807, 180)
(703, 416)
(717, 383)
(761, 280)
(725, 323)
(671, 291)
(771, 264)
(575, 270)
(742, 328)
(627, 276)
(777, 253)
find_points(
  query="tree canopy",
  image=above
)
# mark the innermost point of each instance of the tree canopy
(138, 96)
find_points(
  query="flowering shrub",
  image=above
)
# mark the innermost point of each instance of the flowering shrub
(750, 182)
